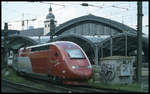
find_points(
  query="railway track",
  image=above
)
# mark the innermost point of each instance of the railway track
(57, 88)
(3, 66)
(98, 90)
(50, 86)
(25, 88)
(6, 89)
(75, 89)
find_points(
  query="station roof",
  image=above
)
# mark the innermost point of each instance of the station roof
(121, 27)
(41, 39)
(17, 41)
(32, 32)
(11, 32)
(118, 44)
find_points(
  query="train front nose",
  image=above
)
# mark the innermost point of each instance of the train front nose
(86, 74)
(83, 73)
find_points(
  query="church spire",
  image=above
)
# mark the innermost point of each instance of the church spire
(50, 14)
(50, 9)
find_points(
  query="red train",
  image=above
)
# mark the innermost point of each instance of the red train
(61, 60)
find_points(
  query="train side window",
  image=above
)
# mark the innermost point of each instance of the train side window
(44, 48)
(34, 49)
(40, 48)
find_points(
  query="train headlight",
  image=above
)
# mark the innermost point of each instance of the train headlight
(89, 66)
(75, 67)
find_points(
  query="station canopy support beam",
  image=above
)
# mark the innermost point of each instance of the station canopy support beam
(96, 54)
(6, 43)
(126, 44)
(111, 45)
(139, 37)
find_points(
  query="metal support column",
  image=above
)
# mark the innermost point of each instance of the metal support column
(139, 37)
(96, 54)
(5, 43)
(39, 39)
(126, 44)
(52, 29)
(111, 45)
(102, 51)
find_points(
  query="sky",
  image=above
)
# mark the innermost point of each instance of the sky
(124, 12)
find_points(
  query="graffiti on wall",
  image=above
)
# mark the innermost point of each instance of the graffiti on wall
(107, 71)
(125, 68)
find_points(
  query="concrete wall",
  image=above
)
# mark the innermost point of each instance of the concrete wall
(117, 69)
(114, 70)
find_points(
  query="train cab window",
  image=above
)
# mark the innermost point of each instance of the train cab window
(75, 53)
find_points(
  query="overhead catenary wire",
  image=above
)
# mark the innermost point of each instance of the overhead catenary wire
(123, 6)
(53, 4)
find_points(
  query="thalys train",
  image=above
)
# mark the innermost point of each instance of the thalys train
(61, 60)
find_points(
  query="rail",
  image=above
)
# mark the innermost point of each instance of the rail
(58, 88)
(25, 88)
(77, 89)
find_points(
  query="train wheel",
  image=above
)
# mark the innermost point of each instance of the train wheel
(50, 77)
(18, 73)
(22, 73)
(54, 78)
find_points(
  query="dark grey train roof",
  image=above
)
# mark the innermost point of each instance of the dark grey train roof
(114, 24)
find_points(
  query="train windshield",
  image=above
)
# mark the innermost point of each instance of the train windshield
(75, 53)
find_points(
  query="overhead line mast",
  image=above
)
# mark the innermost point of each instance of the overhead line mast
(139, 37)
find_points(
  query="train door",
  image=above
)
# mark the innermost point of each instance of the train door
(57, 62)
(51, 60)
(54, 61)
(48, 63)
